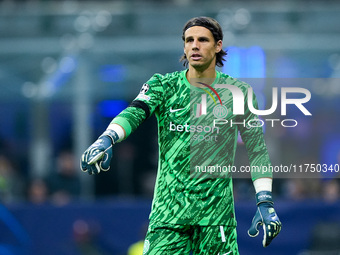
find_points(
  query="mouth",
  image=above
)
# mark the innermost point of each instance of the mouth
(196, 56)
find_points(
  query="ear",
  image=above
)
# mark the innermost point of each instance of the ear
(219, 46)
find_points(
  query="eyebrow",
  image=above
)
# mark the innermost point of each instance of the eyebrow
(199, 38)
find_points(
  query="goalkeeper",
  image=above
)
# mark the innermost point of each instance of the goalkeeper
(194, 213)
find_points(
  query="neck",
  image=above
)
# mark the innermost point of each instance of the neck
(194, 73)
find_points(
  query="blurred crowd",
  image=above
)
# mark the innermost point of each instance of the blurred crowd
(60, 185)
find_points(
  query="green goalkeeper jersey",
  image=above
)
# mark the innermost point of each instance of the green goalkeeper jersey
(197, 136)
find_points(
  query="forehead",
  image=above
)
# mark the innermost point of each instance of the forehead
(198, 31)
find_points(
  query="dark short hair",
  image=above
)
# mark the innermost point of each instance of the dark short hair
(216, 31)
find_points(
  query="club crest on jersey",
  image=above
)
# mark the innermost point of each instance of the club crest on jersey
(220, 111)
(144, 89)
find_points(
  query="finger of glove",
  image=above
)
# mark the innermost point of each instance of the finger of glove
(275, 228)
(270, 232)
(106, 160)
(83, 164)
(93, 169)
(95, 156)
(266, 236)
(255, 225)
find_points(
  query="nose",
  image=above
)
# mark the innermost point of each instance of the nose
(195, 44)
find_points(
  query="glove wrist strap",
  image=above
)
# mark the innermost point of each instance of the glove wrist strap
(264, 196)
(112, 135)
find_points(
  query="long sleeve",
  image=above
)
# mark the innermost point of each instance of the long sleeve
(252, 136)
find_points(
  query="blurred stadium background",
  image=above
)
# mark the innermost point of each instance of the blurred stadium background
(68, 67)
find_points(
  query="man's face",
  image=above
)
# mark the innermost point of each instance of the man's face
(200, 47)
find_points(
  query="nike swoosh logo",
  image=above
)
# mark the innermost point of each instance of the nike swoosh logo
(224, 253)
(176, 110)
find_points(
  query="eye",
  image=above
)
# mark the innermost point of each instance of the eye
(203, 39)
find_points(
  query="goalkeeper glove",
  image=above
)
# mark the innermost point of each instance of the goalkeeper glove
(265, 216)
(98, 156)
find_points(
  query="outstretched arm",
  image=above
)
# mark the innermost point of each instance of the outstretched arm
(98, 156)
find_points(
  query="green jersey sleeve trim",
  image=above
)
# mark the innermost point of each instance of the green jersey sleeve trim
(124, 124)
(130, 119)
